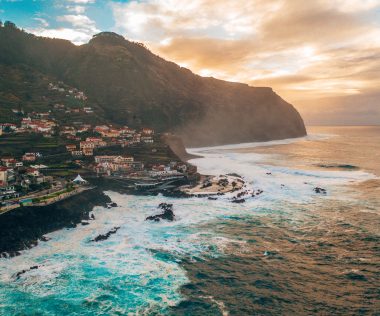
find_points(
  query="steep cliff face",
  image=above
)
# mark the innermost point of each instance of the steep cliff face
(135, 87)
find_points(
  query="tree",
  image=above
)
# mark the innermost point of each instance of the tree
(10, 24)
(1, 23)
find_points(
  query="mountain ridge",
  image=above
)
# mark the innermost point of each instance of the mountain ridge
(133, 86)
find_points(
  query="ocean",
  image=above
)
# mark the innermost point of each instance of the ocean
(288, 251)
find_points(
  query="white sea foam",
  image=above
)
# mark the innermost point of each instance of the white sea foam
(310, 137)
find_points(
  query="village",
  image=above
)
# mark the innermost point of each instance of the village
(64, 154)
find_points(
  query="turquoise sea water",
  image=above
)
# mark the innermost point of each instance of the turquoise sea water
(287, 251)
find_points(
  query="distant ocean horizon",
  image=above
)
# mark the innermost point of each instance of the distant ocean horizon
(289, 251)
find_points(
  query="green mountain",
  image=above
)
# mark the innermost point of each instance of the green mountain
(130, 85)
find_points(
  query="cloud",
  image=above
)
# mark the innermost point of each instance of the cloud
(77, 37)
(157, 19)
(75, 27)
(42, 22)
(81, 22)
(82, 1)
(78, 9)
(347, 110)
(303, 49)
(353, 5)
(81, 29)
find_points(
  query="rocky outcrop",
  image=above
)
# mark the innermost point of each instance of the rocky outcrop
(168, 213)
(105, 236)
(24, 227)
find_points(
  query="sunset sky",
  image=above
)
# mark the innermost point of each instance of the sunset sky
(323, 56)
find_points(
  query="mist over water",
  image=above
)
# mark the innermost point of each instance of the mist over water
(287, 251)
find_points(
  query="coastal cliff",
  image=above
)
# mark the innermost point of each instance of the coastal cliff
(178, 147)
(128, 84)
(24, 227)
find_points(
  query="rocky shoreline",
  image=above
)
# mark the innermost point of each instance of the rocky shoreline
(25, 227)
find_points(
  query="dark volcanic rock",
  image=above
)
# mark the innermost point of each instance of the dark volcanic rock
(106, 236)
(44, 238)
(319, 190)
(18, 274)
(356, 276)
(23, 227)
(238, 201)
(168, 213)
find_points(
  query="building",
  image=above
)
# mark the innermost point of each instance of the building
(29, 157)
(101, 128)
(88, 151)
(94, 139)
(126, 131)
(98, 142)
(164, 173)
(137, 166)
(10, 175)
(8, 127)
(68, 130)
(147, 139)
(84, 128)
(181, 167)
(110, 164)
(87, 145)
(8, 162)
(125, 159)
(101, 159)
(8, 193)
(80, 96)
(110, 133)
(3, 176)
(71, 147)
(39, 125)
(147, 131)
(136, 138)
(77, 153)
(32, 172)
(116, 159)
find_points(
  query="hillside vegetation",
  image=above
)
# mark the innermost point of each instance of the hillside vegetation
(130, 85)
